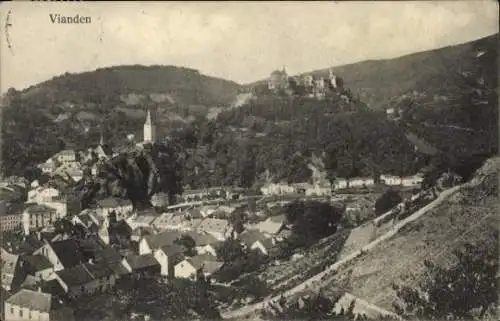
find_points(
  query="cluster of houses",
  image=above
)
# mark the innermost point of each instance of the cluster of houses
(40, 207)
(50, 267)
(283, 188)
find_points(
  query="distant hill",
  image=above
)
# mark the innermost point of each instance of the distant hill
(71, 109)
(381, 83)
(159, 83)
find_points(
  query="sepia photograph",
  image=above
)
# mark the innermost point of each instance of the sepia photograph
(244, 160)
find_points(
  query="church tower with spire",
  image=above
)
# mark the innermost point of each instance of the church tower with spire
(149, 128)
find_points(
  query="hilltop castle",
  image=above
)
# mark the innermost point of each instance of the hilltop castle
(312, 86)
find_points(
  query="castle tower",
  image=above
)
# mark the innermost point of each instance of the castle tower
(149, 128)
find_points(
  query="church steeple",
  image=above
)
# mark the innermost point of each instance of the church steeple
(149, 128)
(101, 140)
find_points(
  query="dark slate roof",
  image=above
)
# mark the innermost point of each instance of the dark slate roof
(119, 269)
(172, 249)
(39, 209)
(165, 238)
(278, 218)
(30, 244)
(92, 247)
(98, 270)
(75, 276)
(267, 243)
(138, 262)
(38, 262)
(33, 300)
(207, 262)
(112, 202)
(84, 273)
(174, 252)
(30, 282)
(202, 239)
(53, 287)
(68, 252)
(251, 236)
(109, 255)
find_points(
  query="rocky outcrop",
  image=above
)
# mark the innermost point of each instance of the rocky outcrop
(137, 175)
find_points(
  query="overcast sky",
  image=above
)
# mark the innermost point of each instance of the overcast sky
(243, 42)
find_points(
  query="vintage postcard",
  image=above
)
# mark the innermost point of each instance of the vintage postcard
(270, 160)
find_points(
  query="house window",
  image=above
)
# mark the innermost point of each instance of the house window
(82, 289)
(21, 312)
(12, 310)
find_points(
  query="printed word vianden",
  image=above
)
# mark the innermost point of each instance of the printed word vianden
(57, 18)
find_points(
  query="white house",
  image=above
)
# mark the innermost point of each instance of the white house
(66, 156)
(86, 218)
(48, 166)
(28, 305)
(37, 216)
(170, 221)
(277, 189)
(340, 183)
(205, 243)
(149, 243)
(10, 271)
(189, 267)
(413, 180)
(317, 190)
(271, 226)
(391, 180)
(207, 210)
(122, 207)
(63, 204)
(141, 265)
(168, 256)
(255, 240)
(219, 228)
(361, 181)
(42, 194)
(137, 221)
(71, 169)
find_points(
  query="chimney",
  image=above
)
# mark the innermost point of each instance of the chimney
(91, 261)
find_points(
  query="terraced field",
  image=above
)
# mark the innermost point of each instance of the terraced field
(290, 273)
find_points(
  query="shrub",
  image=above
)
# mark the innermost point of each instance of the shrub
(387, 201)
(464, 291)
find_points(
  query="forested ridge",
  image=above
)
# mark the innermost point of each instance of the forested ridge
(270, 137)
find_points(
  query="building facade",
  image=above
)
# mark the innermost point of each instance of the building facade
(27, 305)
(37, 216)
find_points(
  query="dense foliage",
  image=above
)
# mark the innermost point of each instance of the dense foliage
(465, 290)
(387, 201)
(311, 221)
(176, 300)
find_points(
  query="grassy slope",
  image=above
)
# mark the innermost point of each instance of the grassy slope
(467, 216)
